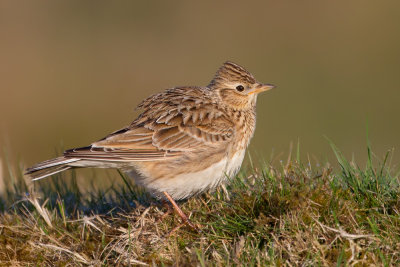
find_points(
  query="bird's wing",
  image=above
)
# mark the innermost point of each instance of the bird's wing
(170, 129)
(128, 144)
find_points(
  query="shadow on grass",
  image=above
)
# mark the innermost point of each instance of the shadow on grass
(60, 192)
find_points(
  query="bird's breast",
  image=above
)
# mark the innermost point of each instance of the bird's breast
(245, 122)
(235, 162)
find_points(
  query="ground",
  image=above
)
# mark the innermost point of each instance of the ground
(285, 214)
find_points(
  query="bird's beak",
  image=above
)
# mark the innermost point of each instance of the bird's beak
(261, 88)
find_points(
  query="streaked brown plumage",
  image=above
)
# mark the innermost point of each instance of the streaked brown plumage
(186, 140)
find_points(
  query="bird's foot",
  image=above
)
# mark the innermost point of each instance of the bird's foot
(181, 214)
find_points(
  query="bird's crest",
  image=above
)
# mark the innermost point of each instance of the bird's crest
(232, 72)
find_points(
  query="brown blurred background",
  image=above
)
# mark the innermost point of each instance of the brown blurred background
(73, 71)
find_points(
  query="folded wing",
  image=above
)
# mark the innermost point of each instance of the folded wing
(164, 130)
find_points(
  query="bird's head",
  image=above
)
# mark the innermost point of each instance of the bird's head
(236, 87)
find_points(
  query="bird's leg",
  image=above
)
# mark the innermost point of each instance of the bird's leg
(179, 211)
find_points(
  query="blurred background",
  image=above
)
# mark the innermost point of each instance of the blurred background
(71, 72)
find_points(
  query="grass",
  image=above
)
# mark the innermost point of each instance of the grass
(286, 215)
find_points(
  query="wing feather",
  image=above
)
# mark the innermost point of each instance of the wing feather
(177, 121)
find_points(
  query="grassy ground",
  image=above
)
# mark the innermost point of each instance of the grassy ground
(287, 215)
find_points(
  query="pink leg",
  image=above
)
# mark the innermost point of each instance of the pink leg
(179, 211)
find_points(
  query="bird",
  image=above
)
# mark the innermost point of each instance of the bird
(187, 140)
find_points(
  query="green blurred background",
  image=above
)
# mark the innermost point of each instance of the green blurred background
(73, 71)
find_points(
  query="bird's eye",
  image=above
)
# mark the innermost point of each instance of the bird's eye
(240, 88)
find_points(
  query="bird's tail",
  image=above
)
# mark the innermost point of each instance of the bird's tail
(50, 167)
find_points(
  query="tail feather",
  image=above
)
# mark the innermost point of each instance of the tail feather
(49, 167)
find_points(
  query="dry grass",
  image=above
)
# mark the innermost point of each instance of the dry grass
(288, 215)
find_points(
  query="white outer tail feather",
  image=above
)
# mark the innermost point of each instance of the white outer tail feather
(50, 167)
(51, 173)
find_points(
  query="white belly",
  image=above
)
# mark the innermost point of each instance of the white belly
(188, 184)
(234, 164)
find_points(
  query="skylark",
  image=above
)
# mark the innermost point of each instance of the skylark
(186, 141)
